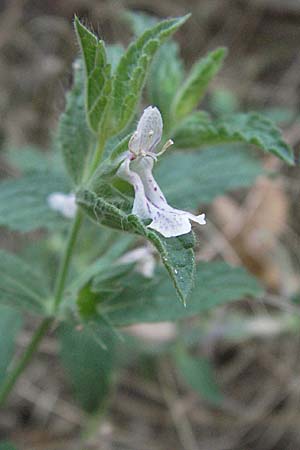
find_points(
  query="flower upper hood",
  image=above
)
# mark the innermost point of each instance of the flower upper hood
(136, 168)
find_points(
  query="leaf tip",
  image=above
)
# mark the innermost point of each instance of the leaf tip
(221, 52)
(290, 158)
(76, 21)
(183, 19)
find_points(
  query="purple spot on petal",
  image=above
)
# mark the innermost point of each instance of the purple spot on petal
(155, 188)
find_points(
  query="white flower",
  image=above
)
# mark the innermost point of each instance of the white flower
(136, 168)
(63, 203)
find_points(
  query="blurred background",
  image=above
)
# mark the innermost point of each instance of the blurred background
(259, 368)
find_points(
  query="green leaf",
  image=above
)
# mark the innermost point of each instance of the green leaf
(74, 137)
(28, 159)
(98, 79)
(10, 325)
(23, 202)
(142, 300)
(199, 375)
(199, 130)
(96, 324)
(205, 174)
(176, 253)
(132, 70)
(88, 366)
(95, 283)
(166, 71)
(20, 285)
(166, 74)
(195, 86)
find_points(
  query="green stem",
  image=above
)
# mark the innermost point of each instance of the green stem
(48, 321)
(98, 154)
(25, 359)
(64, 267)
(14, 375)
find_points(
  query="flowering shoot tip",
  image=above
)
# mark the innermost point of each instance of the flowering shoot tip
(136, 169)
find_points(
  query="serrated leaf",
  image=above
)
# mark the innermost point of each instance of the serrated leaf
(176, 253)
(165, 76)
(88, 366)
(195, 86)
(98, 77)
(132, 70)
(143, 300)
(74, 137)
(10, 325)
(166, 71)
(205, 174)
(23, 202)
(198, 373)
(20, 285)
(200, 130)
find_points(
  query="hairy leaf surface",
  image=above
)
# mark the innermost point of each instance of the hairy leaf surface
(74, 137)
(132, 70)
(98, 77)
(199, 130)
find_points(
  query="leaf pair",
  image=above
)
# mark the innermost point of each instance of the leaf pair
(100, 100)
(118, 94)
(165, 88)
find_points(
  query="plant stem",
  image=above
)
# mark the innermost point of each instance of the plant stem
(58, 291)
(98, 154)
(63, 269)
(48, 321)
(25, 359)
